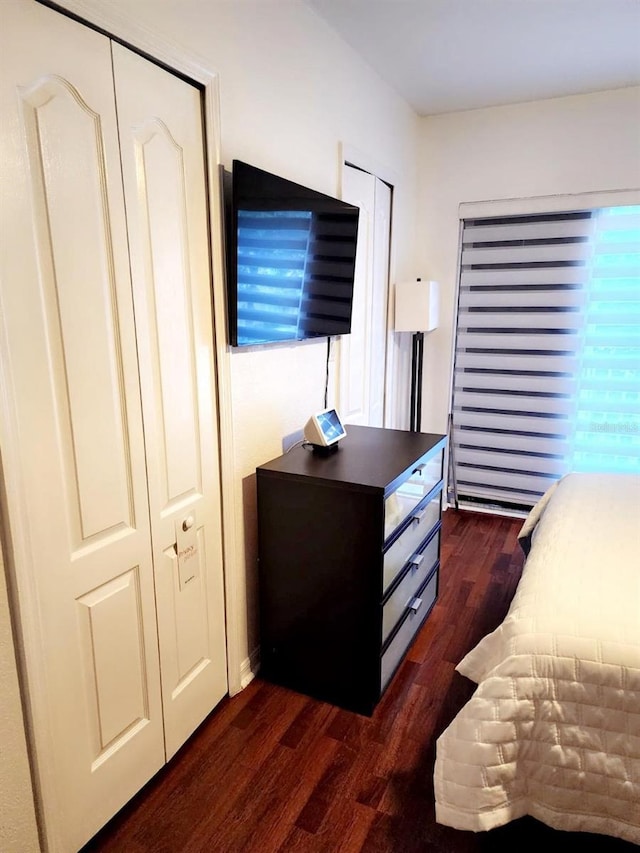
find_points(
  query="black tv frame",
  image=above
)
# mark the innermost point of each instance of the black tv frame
(327, 283)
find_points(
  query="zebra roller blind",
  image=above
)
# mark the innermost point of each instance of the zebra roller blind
(547, 362)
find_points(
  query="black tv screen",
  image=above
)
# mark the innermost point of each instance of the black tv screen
(291, 260)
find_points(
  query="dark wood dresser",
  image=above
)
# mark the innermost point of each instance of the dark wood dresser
(349, 546)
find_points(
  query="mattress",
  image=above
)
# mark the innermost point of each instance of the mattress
(553, 728)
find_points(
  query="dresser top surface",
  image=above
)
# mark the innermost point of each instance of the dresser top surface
(368, 456)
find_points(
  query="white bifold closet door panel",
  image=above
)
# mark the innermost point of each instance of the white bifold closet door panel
(361, 390)
(76, 475)
(108, 420)
(162, 153)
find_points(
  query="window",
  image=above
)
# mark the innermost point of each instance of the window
(607, 427)
(547, 364)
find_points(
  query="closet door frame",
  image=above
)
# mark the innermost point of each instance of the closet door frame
(398, 350)
(139, 38)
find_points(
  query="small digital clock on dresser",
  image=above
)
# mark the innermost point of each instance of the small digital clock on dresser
(349, 547)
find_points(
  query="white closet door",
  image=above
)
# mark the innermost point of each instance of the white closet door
(160, 120)
(361, 390)
(72, 441)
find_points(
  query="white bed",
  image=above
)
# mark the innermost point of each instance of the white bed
(553, 729)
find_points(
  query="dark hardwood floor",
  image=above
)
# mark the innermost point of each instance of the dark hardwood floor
(271, 770)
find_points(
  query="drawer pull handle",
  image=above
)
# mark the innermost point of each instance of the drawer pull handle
(415, 605)
(418, 516)
(416, 560)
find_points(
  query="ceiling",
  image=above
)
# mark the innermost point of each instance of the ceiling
(448, 55)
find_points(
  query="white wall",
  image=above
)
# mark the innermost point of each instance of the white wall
(566, 145)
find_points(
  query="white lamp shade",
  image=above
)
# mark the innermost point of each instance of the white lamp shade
(417, 306)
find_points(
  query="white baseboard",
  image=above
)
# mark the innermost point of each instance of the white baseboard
(249, 668)
(488, 510)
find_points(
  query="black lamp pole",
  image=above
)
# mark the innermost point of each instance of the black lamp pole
(417, 357)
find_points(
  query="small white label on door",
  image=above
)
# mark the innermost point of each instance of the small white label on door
(188, 554)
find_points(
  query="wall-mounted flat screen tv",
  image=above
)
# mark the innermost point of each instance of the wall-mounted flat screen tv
(291, 254)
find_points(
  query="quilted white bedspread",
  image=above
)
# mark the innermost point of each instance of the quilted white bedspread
(553, 729)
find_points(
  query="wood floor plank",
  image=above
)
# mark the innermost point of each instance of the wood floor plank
(292, 789)
(329, 787)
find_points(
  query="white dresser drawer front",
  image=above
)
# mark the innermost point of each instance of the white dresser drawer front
(401, 597)
(398, 646)
(409, 494)
(406, 545)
